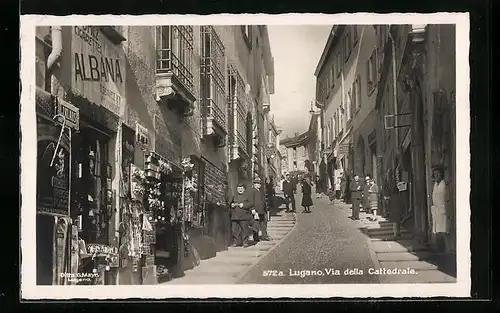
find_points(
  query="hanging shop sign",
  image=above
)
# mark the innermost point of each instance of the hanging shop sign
(98, 67)
(94, 248)
(70, 112)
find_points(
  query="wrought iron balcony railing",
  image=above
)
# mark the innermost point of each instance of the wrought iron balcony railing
(213, 87)
(174, 53)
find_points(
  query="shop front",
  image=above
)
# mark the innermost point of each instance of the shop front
(55, 125)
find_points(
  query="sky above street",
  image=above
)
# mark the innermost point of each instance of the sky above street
(296, 50)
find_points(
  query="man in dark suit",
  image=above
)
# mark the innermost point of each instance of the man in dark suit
(259, 207)
(288, 192)
(240, 217)
(356, 189)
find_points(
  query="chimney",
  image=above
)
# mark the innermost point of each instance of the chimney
(296, 134)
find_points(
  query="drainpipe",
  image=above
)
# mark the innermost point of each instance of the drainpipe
(394, 91)
(55, 54)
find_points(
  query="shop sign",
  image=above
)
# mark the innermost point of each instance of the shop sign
(101, 249)
(98, 67)
(70, 112)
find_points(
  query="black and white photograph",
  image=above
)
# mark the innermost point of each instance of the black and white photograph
(245, 156)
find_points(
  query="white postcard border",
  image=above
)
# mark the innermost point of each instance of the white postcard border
(29, 289)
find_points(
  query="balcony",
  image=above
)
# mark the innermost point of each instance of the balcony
(237, 115)
(174, 73)
(213, 87)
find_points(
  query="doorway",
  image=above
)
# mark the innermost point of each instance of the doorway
(91, 180)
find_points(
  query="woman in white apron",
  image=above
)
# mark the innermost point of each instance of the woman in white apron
(438, 208)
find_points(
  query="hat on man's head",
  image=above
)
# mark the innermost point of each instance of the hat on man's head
(241, 185)
(257, 180)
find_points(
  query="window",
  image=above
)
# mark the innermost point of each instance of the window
(174, 52)
(213, 87)
(339, 64)
(245, 29)
(333, 128)
(332, 76)
(371, 68)
(349, 104)
(357, 92)
(347, 46)
(327, 84)
(237, 106)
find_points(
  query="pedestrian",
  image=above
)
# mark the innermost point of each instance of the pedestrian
(366, 202)
(373, 198)
(355, 189)
(288, 193)
(240, 217)
(306, 195)
(337, 188)
(259, 209)
(395, 211)
(438, 209)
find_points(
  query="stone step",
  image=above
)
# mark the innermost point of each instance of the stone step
(397, 246)
(416, 265)
(242, 252)
(230, 260)
(390, 237)
(280, 225)
(219, 270)
(251, 248)
(387, 231)
(403, 256)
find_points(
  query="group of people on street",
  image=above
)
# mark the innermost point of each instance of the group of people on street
(364, 194)
(249, 214)
(289, 192)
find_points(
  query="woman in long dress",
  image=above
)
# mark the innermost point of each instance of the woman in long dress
(306, 195)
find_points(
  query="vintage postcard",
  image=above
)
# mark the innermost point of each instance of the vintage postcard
(254, 156)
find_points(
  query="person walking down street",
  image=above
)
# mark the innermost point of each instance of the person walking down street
(395, 211)
(270, 194)
(240, 217)
(289, 194)
(306, 195)
(366, 202)
(373, 198)
(355, 189)
(259, 209)
(337, 188)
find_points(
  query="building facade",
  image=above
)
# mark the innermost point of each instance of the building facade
(160, 124)
(346, 84)
(417, 113)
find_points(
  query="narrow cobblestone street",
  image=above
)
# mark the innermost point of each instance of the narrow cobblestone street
(323, 241)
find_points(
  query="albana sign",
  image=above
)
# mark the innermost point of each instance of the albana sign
(98, 67)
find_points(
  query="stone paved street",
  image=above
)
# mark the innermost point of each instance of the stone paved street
(324, 240)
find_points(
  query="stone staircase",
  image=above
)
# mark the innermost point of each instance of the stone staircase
(403, 253)
(229, 266)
